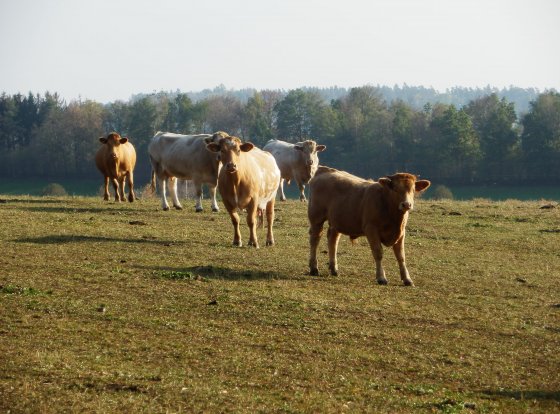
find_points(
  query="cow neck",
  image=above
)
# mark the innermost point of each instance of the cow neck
(396, 215)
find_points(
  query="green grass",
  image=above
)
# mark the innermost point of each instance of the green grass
(101, 314)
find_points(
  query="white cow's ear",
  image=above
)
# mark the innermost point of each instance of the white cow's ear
(123, 140)
(386, 182)
(246, 146)
(321, 148)
(103, 140)
(298, 147)
(213, 147)
(421, 185)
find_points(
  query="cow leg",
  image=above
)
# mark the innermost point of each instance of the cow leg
(269, 222)
(198, 204)
(282, 195)
(333, 237)
(173, 193)
(301, 192)
(116, 188)
(251, 222)
(163, 186)
(377, 251)
(215, 207)
(121, 188)
(315, 233)
(235, 221)
(130, 181)
(398, 248)
(106, 189)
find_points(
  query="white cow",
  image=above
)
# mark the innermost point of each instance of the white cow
(297, 162)
(184, 156)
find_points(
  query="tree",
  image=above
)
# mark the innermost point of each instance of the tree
(494, 121)
(541, 138)
(300, 115)
(258, 120)
(453, 149)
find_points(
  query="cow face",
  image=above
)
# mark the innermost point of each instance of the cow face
(402, 188)
(230, 149)
(309, 150)
(113, 140)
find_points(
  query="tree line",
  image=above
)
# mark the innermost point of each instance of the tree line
(485, 140)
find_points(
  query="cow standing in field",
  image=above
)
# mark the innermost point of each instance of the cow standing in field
(248, 180)
(184, 156)
(116, 159)
(296, 162)
(357, 207)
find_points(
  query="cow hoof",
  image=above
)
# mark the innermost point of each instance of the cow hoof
(198, 210)
(314, 272)
(270, 242)
(214, 210)
(408, 282)
(237, 243)
(282, 199)
(334, 272)
(178, 207)
(382, 282)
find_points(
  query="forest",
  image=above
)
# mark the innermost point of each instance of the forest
(464, 136)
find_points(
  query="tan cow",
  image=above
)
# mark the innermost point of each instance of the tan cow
(116, 159)
(185, 157)
(248, 180)
(297, 162)
(357, 207)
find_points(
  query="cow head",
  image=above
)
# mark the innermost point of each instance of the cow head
(215, 138)
(309, 150)
(229, 149)
(113, 140)
(401, 189)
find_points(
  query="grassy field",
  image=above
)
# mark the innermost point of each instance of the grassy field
(109, 307)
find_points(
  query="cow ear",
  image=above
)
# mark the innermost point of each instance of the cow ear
(246, 146)
(298, 147)
(103, 140)
(208, 140)
(321, 148)
(213, 147)
(123, 140)
(386, 182)
(421, 185)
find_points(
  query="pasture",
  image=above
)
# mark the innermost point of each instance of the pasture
(108, 307)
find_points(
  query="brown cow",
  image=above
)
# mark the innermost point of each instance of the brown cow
(357, 207)
(248, 179)
(116, 160)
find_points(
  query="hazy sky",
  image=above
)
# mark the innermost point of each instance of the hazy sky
(110, 49)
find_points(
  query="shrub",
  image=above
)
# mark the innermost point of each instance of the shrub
(442, 192)
(53, 189)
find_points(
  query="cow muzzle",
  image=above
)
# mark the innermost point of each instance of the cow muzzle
(231, 167)
(405, 206)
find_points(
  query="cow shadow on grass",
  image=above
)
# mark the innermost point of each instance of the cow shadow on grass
(525, 395)
(73, 238)
(61, 209)
(213, 272)
(30, 201)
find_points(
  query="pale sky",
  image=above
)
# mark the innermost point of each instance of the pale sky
(107, 50)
